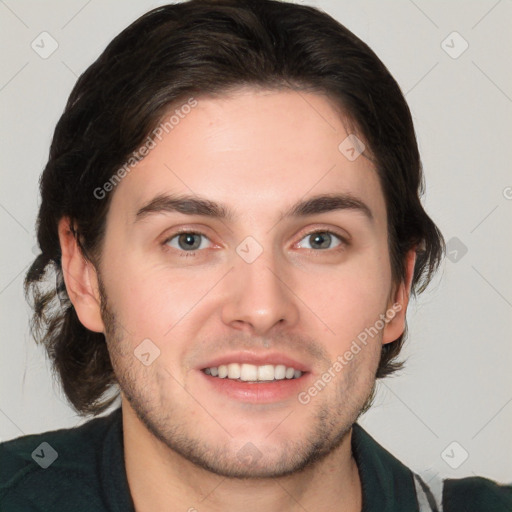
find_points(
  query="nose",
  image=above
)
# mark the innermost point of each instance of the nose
(259, 297)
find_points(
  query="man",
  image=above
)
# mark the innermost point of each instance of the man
(231, 210)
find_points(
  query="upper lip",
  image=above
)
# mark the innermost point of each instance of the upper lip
(256, 359)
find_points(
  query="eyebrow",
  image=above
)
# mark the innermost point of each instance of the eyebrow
(194, 205)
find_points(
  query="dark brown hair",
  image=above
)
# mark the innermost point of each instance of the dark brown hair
(207, 47)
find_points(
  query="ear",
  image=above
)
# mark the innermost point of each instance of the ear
(80, 278)
(397, 306)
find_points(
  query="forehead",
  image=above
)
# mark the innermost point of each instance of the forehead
(256, 151)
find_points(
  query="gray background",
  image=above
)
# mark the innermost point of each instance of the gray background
(457, 384)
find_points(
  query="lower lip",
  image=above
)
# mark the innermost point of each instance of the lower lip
(260, 392)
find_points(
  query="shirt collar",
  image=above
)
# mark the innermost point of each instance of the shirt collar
(116, 492)
(387, 485)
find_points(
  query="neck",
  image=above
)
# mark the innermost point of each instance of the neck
(162, 480)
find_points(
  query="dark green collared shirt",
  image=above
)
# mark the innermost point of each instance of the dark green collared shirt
(82, 470)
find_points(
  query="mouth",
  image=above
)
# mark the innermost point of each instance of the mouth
(252, 373)
(254, 378)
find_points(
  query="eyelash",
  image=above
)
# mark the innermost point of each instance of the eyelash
(343, 241)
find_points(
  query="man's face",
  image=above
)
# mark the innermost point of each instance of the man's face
(255, 287)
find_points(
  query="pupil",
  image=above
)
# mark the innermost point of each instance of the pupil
(319, 238)
(188, 241)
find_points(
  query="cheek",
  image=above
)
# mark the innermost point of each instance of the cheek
(351, 297)
(155, 302)
(135, 296)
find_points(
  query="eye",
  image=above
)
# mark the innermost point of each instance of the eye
(322, 240)
(187, 241)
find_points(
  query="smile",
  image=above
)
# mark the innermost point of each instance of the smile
(252, 373)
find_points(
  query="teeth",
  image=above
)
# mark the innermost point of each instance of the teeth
(290, 372)
(279, 372)
(234, 371)
(248, 372)
(266, 372)
(253, 373)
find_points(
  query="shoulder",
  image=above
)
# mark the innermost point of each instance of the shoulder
(476, 494)
(39, 470)
(388, 482)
